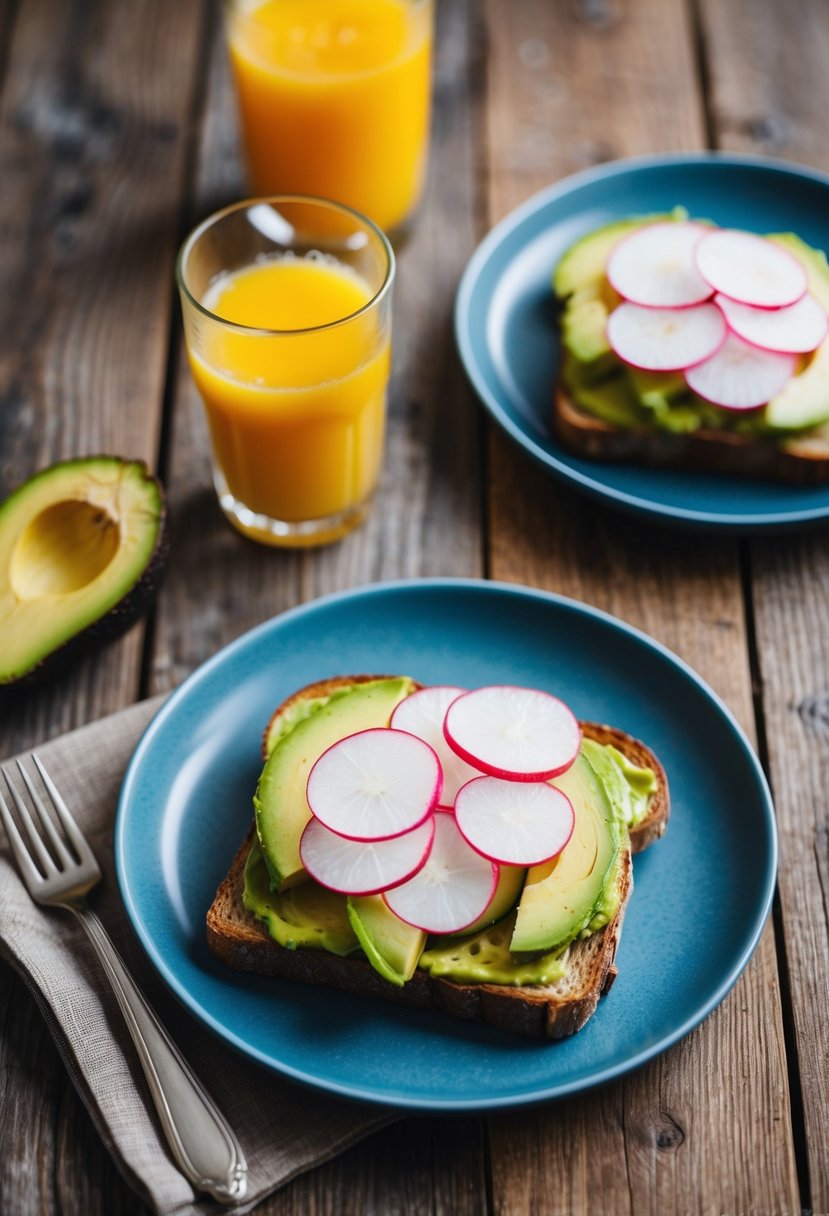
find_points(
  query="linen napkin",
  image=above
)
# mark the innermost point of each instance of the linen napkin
(284, 1129)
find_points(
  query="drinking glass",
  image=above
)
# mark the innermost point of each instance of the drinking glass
(334, 99)
(287, 322)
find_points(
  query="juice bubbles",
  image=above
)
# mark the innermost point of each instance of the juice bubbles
(290, 346)
(334, 99)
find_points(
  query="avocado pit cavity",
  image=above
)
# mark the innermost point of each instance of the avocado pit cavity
(62, 549)
(82, 548)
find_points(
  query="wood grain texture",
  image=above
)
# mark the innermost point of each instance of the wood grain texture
(426, 516)
(94, 119)
(93, 134)
(570, 85)
(771, 98)
(426, 520)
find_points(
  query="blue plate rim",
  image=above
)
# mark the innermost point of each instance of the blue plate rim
(403, 1101)
(736, 522)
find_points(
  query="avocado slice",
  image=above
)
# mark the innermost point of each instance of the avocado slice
(281, 807)
(584, 262)
(391, 946)
(307, 915)
(82, 548)
(561, 896)
(804, 402)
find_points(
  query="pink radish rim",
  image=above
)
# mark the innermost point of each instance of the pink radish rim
(508, 861)
(657, 371)
(757, 237)
(496, 872)
(440, 806)
(703, 231)
(390, 835)
(773, 350)
(506, 774)
(375, 890)
(746, 409)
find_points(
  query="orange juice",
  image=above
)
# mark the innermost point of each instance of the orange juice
(334, 99)
(294, 386)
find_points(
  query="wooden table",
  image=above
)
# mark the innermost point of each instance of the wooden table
(117, 131)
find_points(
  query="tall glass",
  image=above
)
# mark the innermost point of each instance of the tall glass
(287, 321)
(334, 99)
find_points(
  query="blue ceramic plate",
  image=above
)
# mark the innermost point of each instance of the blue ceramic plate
(506, 331)
(702, 893)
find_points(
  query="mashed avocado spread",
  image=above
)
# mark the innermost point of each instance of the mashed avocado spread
(308, 915)
(603, 386)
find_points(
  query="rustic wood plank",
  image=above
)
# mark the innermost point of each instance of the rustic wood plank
(567, 87)
(420, 1168)
(771, 98)
(94, 128)
(93, 139)
(426, 517)
(426, 520)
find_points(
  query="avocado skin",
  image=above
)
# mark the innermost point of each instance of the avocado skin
(123, 615)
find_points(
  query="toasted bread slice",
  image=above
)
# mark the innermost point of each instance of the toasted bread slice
(802, 461)
(551, 1011)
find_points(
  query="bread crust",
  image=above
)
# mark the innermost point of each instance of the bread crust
(320, 688)
(553, 1011)
(799, 461)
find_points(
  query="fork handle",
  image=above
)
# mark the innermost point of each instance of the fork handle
(200, 1139)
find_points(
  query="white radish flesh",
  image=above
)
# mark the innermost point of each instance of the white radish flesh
(514, 822)
(741, 376)
(750, 269)
(452, 890)
(375, 784)
(665, 339)
(363, 868)
(796, 329)
(520, 734)
(655, 266)
(422, 714)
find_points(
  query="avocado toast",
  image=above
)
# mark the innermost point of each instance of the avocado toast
(565, 915)
(607, 409)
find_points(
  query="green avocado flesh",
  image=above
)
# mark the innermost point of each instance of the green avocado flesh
(607, 389)
(307, 915)
(392, 947)
(557, 904)
(561, 896)
(486, 958)
(281, 807)
(80, 554)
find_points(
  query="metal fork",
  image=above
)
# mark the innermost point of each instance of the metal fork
(200, 1139)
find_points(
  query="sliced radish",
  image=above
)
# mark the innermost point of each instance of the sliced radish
(750, 269)
(514, 823)
(422, 714)
(665, 339)
(741, 376)
(520, 734)
(655, 266)
(356, 867)
(796, 329)
(452, 890)
(375, 784)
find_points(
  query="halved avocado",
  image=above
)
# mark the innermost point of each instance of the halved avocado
(82, 547)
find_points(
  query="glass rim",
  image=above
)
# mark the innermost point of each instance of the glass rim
(331, 204)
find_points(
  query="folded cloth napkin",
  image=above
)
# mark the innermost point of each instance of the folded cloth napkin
(50, 951)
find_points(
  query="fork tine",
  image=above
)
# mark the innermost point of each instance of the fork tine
(61, 852)
(22, 856)
(46, 864)
(76, 836)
